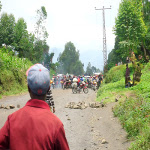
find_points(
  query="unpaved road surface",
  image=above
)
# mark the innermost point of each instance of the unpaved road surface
(85, 129)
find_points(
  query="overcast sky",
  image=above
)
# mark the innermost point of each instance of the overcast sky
(71, 20)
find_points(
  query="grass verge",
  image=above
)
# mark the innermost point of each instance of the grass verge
(133, 108)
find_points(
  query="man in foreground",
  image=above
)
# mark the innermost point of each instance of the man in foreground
(34, 127)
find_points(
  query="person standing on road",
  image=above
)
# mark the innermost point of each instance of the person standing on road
(49, 100)
(34, 127)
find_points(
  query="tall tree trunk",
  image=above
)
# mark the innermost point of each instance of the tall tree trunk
(144, 50)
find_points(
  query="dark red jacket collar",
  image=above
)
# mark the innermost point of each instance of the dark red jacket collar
(37, 103)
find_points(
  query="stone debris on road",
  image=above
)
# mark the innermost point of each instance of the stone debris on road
(18, 106)
(104, 141)
(79, 105)
(7, 107)
(83, 105)
(96, 104)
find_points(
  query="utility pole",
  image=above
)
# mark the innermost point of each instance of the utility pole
(104, 37)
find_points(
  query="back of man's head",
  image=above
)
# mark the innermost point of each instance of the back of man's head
(38, 79)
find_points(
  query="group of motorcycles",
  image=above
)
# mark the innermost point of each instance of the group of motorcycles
(77, 87)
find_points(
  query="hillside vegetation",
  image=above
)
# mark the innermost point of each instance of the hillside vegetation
(133, 108)
(12, 73)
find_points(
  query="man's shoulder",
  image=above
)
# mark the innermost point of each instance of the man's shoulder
(31, 113)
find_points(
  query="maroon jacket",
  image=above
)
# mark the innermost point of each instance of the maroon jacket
(33, 127)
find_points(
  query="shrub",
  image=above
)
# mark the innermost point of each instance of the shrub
(7, 80)
(12, 72)
(117, 73)
(133, 112)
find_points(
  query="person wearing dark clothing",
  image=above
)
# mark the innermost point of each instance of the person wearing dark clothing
(34, 127)
(99, 81)
(127, 75)
(50, 101)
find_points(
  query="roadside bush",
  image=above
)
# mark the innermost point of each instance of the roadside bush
(117, 73)
(143, 140)
(134, 111)
(19, 76)
(12, 72)
(7, 80)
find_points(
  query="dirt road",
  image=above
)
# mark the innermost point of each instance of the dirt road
(86, 129)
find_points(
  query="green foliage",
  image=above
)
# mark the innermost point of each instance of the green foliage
(132, 31)
(7, 26)
(69, 61)
(7, 80)
(91, 69)
(134, 116)
(12, 72)
(130, 26)
(48, 60)
(117, 73)
(0, 6)
(143, 140)
(17, 39)
(40, 30)
(134, 110)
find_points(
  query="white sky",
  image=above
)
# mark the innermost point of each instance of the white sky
(71, 20)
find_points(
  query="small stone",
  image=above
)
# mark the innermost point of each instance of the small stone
(11, 106)
(116, 99)
(104, 141)
(75, 107)
(106, 97)
(18, 106)
(2, 106)
(68, 119)
(6, 107)
(95, 105)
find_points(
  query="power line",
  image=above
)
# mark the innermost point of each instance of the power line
(104, 37)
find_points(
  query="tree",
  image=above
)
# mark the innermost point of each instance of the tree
(89, 69)
(48, 60)
(130, 27)
(40, 30)
(69, 60)
(41, 48)
(146, 14)
(21, 41)
(7, 29)
(0, 6)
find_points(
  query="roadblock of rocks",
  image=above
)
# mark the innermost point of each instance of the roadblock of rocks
(83, 105)
(7, 107)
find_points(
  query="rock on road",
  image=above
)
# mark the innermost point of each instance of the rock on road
(86, 129)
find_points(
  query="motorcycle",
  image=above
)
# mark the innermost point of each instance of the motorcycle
(82, 86)
(94, 85)
(67, 84)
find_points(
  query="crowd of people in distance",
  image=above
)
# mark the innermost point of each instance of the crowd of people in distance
(67, 81)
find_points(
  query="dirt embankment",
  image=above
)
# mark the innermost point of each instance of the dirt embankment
(87, 128)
